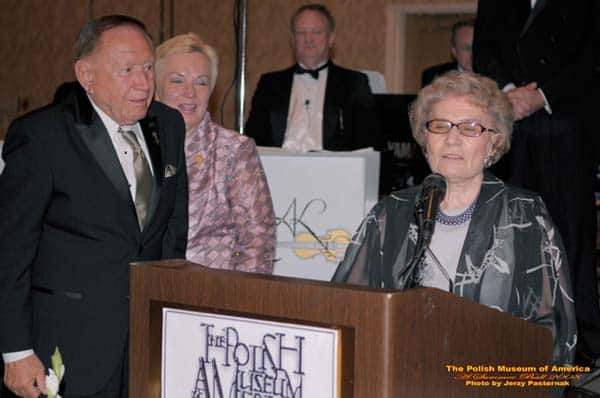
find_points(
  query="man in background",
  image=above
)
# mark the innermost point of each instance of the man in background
(461, 47)
(542, 53)
(314, 104)
(91, 184)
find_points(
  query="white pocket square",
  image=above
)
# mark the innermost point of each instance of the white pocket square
(170, 171)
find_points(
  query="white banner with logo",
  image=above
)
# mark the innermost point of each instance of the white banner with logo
(320, 199)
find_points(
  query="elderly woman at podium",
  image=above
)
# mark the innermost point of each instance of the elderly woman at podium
(489, 242)
(231, 218)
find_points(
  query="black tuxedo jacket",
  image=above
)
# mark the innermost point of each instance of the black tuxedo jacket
(554, 44)
(434, 71)
(68, 231)
(350, 117)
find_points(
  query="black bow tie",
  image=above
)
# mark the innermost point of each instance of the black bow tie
(314, 73)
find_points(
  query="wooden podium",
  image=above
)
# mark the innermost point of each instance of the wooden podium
(393, 344)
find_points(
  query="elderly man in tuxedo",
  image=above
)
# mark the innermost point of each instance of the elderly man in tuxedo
(542, 53)
(461, 47)
(91, 184)
(314, 104)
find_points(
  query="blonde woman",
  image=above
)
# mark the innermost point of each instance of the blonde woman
(231, 219)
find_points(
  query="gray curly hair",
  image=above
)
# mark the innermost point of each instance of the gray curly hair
(480, 91)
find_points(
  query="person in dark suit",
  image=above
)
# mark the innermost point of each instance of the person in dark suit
(543, 57)
(64, 90)
(436, 70)
(461, 43)
(314, 104)
(91, 184)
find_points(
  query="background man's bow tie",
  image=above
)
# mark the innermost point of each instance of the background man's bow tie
(314, 73)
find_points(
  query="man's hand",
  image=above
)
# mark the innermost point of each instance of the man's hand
(525, 100)
(26, 377)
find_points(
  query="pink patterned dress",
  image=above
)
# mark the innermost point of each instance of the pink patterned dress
(231, 218)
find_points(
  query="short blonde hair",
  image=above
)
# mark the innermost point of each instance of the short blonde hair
(481, 91)
(188, 43)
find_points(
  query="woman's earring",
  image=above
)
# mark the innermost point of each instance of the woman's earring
(487, 162)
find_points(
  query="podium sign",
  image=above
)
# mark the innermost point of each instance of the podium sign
(320, 199)
(213, 355)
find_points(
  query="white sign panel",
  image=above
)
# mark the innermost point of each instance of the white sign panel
(319, 200)
(218, 356)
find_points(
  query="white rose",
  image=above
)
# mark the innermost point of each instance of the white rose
(52, 384)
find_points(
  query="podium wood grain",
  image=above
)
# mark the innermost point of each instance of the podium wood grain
(394, 344)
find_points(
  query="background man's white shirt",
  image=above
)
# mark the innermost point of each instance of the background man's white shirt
(304, 131)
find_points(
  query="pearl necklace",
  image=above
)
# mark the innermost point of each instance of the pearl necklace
(459, 219)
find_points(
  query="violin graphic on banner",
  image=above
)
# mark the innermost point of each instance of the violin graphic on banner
(307, 244)
(332, 245)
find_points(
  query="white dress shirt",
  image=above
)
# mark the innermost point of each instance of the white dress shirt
(304, 130)
(122, 148)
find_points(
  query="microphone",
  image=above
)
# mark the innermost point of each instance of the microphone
(434, 188)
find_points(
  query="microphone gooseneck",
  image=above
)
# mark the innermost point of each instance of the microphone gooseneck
(434, 188)
(426, 209)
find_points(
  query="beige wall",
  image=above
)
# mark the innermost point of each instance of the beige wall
(36, 39)
(36, 42)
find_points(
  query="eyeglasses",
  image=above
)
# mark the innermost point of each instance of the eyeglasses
(468, 129)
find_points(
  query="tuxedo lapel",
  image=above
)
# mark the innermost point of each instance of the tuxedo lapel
(537, 9)
(92, 132)
(332, 113)
(98, 142)
(281, 107)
